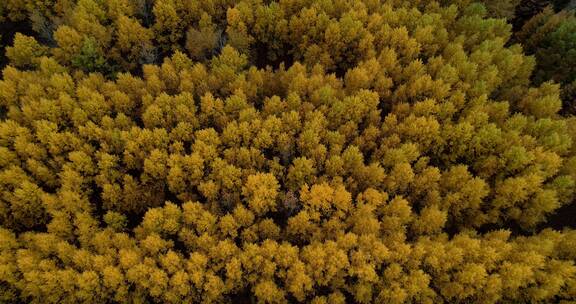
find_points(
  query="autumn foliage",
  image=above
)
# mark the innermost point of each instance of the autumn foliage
(310, 151)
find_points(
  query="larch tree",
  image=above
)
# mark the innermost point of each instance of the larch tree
(286, 151)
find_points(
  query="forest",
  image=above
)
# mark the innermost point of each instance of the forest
(287, 151)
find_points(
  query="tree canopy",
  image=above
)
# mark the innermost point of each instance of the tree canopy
(334, 151)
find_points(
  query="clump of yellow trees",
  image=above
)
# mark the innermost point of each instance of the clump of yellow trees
(318, 151)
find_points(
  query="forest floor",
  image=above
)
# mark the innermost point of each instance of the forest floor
(564, 217)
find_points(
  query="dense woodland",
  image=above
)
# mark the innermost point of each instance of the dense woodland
(314, 151)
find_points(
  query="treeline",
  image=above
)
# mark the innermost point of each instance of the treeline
(284, 151)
